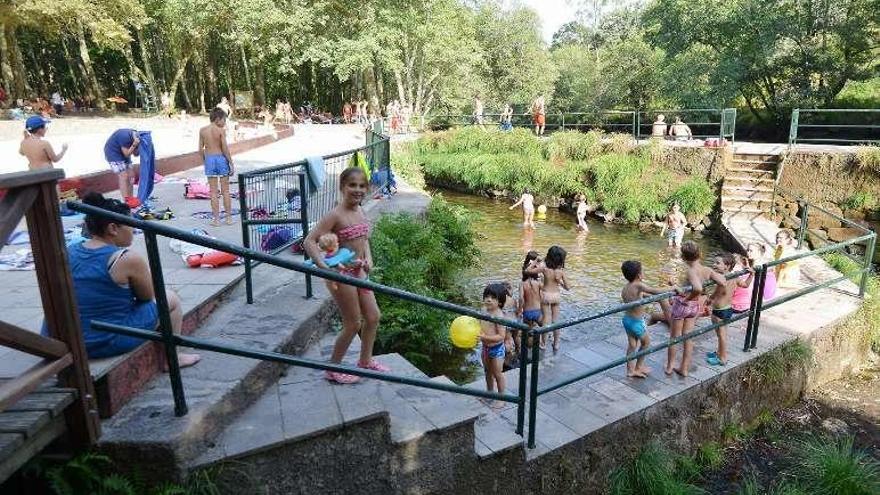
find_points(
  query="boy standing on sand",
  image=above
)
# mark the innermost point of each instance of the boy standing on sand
(674, 225)
(634, 319)
(38, 152)
(218, 163)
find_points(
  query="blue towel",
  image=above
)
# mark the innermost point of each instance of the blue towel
(148, 167)
(316, 172)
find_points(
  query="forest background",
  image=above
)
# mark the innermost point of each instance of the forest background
(764, 57)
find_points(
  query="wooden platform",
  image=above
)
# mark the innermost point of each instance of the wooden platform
(31, 424)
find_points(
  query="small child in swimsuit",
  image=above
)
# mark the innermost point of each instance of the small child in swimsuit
(511, 312)
(492, 338)
(553, 269)
(742, 293)
(582, 213)
(528, 204)
(687, 306)
(530, 294)
(634, 319)
(721, 302)
(674, 226)
(788, 275)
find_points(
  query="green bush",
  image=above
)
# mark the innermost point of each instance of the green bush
(574, 145)
(653, 472)
(695, 197)
(858, 201)
(774, 366)
(625, 185)
(868, 158)
(867, 320)
(424, 255)
(832, 467)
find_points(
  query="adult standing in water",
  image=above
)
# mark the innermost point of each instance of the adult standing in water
(118, 149)
(357, 306)
(539, 115)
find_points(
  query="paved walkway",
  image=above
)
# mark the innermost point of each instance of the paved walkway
(19, 295)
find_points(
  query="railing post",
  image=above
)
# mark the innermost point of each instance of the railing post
(304, 217)
(180, 408)
(523, 360)
(245, 237)
(866, 270)
(563, 121)
(752, 305)
(637, 125)
(759, 303)
(533, 392)
(805, 218)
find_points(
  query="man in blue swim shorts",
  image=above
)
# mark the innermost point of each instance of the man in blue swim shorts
(634, 319)
(218, 163)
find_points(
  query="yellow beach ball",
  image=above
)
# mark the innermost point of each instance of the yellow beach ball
(464, 332)
(542, 211)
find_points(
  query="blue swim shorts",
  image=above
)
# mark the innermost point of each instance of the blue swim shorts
(532, 316)
(635, 327)
(494, 352)
(216, 166)
(723, 314)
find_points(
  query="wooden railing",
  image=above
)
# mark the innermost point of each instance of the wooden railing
(33, 194)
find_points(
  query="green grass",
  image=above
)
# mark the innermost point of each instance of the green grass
(652, 472)
(868, 158)
(866, 321)
(606, 168)
(830, 466)
(775, 365)
(858, 201)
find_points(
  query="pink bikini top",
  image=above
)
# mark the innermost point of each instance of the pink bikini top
(353, 232)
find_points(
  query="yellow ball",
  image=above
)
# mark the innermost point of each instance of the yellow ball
(542, 209)
(465, 332)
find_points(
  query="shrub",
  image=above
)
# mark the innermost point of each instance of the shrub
(574, 145)
(866, 321)
(832, 467)
(868, 158)
(624, 186)
(651, 473)
(858, 201)
(424, 256)
(694, 196)
(773, 366)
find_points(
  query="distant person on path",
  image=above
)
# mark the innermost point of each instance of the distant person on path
(478, 112)
(553, 270)
(528, 205)
(492, 340)
(118, 149)
(680, 131)
(218, 163)
(634, 319)
(506, 117)
(687, 306)
(39, 153)
(539, 115)
(57, 103)
(674, 226)
(165, 102)
(659, 127)
(358, 308)
(346, 112)
(224, 105)
(113, 285)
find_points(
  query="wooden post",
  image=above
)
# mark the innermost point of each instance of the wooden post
(61, 312)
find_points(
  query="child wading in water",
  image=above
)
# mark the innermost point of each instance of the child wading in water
(634, 319)
(218, 164)
(582, 213)
(673, 226)
(721, 302)
(528, 205)
(687, 306)
(530, 294)
(553, 270)
(492, 338)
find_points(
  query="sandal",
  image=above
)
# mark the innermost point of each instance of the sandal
(714, 361)
(342, 378)
(375, 366)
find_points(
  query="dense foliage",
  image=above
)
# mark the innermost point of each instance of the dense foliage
(607, 169)
(764, 56)
(424, 255)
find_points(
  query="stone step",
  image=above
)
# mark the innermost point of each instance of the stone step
(756, 157)
(749, 179)
(219, 387)
(752, 172)
(746, 189)
(755, 164)
(744, 209)
(729, 199)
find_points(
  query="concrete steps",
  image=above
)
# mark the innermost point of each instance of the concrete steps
(748, 185)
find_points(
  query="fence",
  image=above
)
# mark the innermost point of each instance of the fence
(279, 204)
(526, 398)
(704, 122)
(834, 126)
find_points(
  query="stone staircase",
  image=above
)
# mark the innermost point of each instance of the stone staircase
(747, 190)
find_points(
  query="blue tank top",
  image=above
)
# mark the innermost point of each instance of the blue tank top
(98, 296)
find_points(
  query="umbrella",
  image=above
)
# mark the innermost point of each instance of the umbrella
(117, 99)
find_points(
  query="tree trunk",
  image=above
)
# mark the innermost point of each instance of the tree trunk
(5, 67)
(186, 101)
(247, 70)
(77, 84)
(211, 90)
(370, 89)
(178, 76)
(20, 88)
(380, 84)
(94, 90)
(260, 89)
(149, 78)
(401, 95)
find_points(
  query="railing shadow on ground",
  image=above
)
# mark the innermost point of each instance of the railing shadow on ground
(528, 391)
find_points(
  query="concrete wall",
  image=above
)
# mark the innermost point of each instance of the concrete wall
(708, 163)
(826, 177)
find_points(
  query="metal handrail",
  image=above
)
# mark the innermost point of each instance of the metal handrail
(796, 125)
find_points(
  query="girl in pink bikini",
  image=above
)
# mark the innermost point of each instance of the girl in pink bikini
(358, 308)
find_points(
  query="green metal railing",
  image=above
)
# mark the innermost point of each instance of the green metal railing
(526, 398)
(853, 126)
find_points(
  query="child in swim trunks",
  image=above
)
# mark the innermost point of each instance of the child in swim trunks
(687, 306)
(492, 338)
(674, 226)
(218, 164)
(530, 294)
(721, 302)
(528, 204)
(634, 319)
(553, 270)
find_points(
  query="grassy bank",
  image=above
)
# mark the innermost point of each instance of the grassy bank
(866, 321)
(607, 168)
(424, 255)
